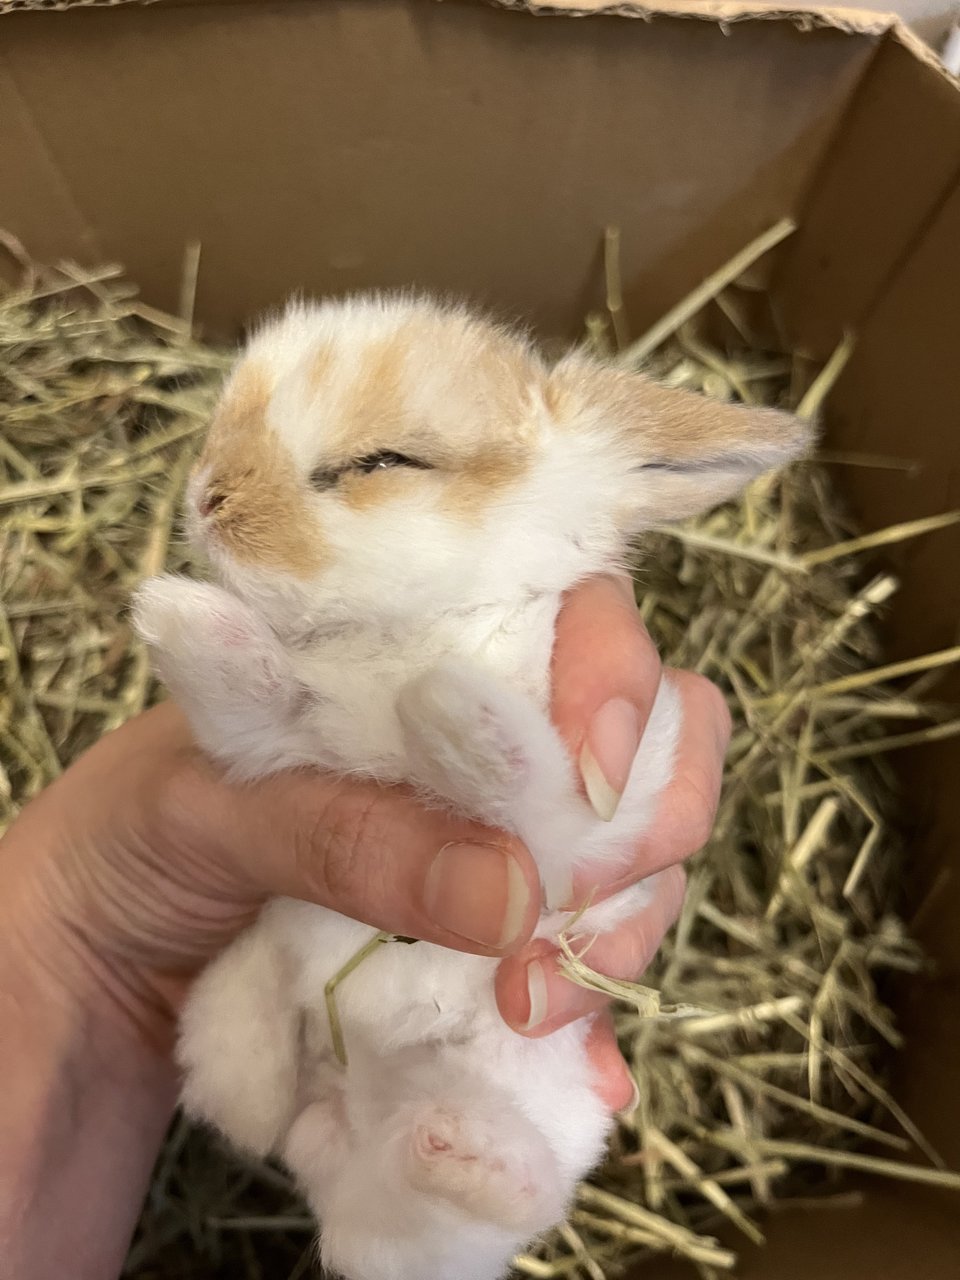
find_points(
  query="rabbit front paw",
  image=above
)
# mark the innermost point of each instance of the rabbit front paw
(205, 642)
(485, 748)
(223, 665)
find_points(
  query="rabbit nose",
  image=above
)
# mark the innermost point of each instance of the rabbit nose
(211, 500)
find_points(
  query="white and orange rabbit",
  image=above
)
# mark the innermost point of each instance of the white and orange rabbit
(393, 495)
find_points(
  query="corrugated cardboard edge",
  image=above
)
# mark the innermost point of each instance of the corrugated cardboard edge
(21, 6)
(723, 12)
(859, 21)
(728, 12)
(921, 50)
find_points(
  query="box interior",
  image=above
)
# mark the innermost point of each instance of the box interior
(462, 147)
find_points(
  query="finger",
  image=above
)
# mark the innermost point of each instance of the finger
(613, 1082)
(535, 998)
(606, 672)
(687, 809)
(370, 852)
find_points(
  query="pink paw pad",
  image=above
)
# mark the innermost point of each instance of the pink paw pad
(461, 1160)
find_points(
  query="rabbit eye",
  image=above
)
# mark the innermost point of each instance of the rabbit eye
(385, 459)
(323, 478)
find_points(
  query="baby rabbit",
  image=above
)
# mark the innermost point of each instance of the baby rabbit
(393, 495)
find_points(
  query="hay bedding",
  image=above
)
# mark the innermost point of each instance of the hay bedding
(761, 1041)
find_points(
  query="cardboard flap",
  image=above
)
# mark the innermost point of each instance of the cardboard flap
(493, 154)
(883, 181)
(869, 21)
(723, 11)
(900, 396)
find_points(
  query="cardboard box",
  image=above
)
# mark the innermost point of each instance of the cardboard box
(929, 19)
(380, 142)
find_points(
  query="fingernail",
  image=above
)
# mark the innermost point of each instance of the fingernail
(607, 755)
(626, 1112)
(537, 994)
(553, 996)
(479, 893)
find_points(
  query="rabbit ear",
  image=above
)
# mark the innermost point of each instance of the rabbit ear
(680, 452)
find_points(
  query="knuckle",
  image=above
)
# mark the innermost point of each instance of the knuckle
(180, 799)
(700, 789)
(714, 706)
(332, 846)
(678, 878)
(673, 888)
(627, 951)
(639, 947)
(644, 649)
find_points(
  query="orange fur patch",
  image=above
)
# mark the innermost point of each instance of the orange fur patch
(367, 492)
(494, 388)
(664, 422)
(509, 375)
(441, 388)
(488, 474)
(263, 518)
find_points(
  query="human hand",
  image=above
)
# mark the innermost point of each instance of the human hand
(605, 678)
(143, 853)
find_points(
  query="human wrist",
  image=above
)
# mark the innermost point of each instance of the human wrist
(49, 955)
(85, 1103)
(68, 1032)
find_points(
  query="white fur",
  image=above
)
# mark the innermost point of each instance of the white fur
(420, 654)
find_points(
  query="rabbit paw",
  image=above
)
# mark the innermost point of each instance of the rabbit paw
(485, 1172)
(220, 661)
(478, 745)
(205, 641)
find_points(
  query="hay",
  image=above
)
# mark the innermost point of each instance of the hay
(103, 401)
(760, 1038)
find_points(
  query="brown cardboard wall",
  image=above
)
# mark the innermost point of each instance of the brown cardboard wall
(869, 250)
(901, 395)
(358, 142)
(897, 1233)
(31, 183)
(891, 164)
(354, 142)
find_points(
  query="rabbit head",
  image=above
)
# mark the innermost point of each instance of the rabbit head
(390, 452)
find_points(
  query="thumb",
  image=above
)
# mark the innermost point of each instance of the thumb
(375, 854)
